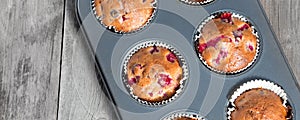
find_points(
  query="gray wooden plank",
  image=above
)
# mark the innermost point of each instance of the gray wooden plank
(284, 17)
(30, 50)
(81, 97)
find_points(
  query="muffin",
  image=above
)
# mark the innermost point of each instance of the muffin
(154, 73)
(227, 43)
(259, 104)
(124, 15)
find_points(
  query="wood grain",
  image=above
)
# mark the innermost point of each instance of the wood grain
(81, 97)
(284, 17)
(30, 49)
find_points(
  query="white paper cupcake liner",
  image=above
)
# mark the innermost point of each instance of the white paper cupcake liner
(157, 43)
(189, 2)
(175, 115)
(258, 83)
(112, 28)
(214, 15)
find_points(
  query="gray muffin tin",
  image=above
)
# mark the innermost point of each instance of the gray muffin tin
(206, 93)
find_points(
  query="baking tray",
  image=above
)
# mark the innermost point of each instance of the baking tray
(206, 93)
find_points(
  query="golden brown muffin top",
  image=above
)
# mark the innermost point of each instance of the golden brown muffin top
(154, 73)
(124, 15)
(227, 43)
(259, 104)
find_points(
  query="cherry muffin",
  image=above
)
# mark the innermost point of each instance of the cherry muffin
(259, 104)
(154, 74)
(124, 16)
(227, 43)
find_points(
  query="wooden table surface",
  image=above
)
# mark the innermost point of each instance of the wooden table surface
(46, 71)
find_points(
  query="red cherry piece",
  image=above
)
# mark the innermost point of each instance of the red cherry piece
(165, 95)
(137, 78)
(244, 27)
(213, 42)
(217, 60)
(202, 47)
(226, 17)
(164, 80)
(251, 47)
(124, 18)
(150, 94)
(171, 57)
(221, 55)
(132, 81)
(154, 50)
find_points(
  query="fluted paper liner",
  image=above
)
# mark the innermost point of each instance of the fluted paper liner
(175, 115)
(189, 2)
